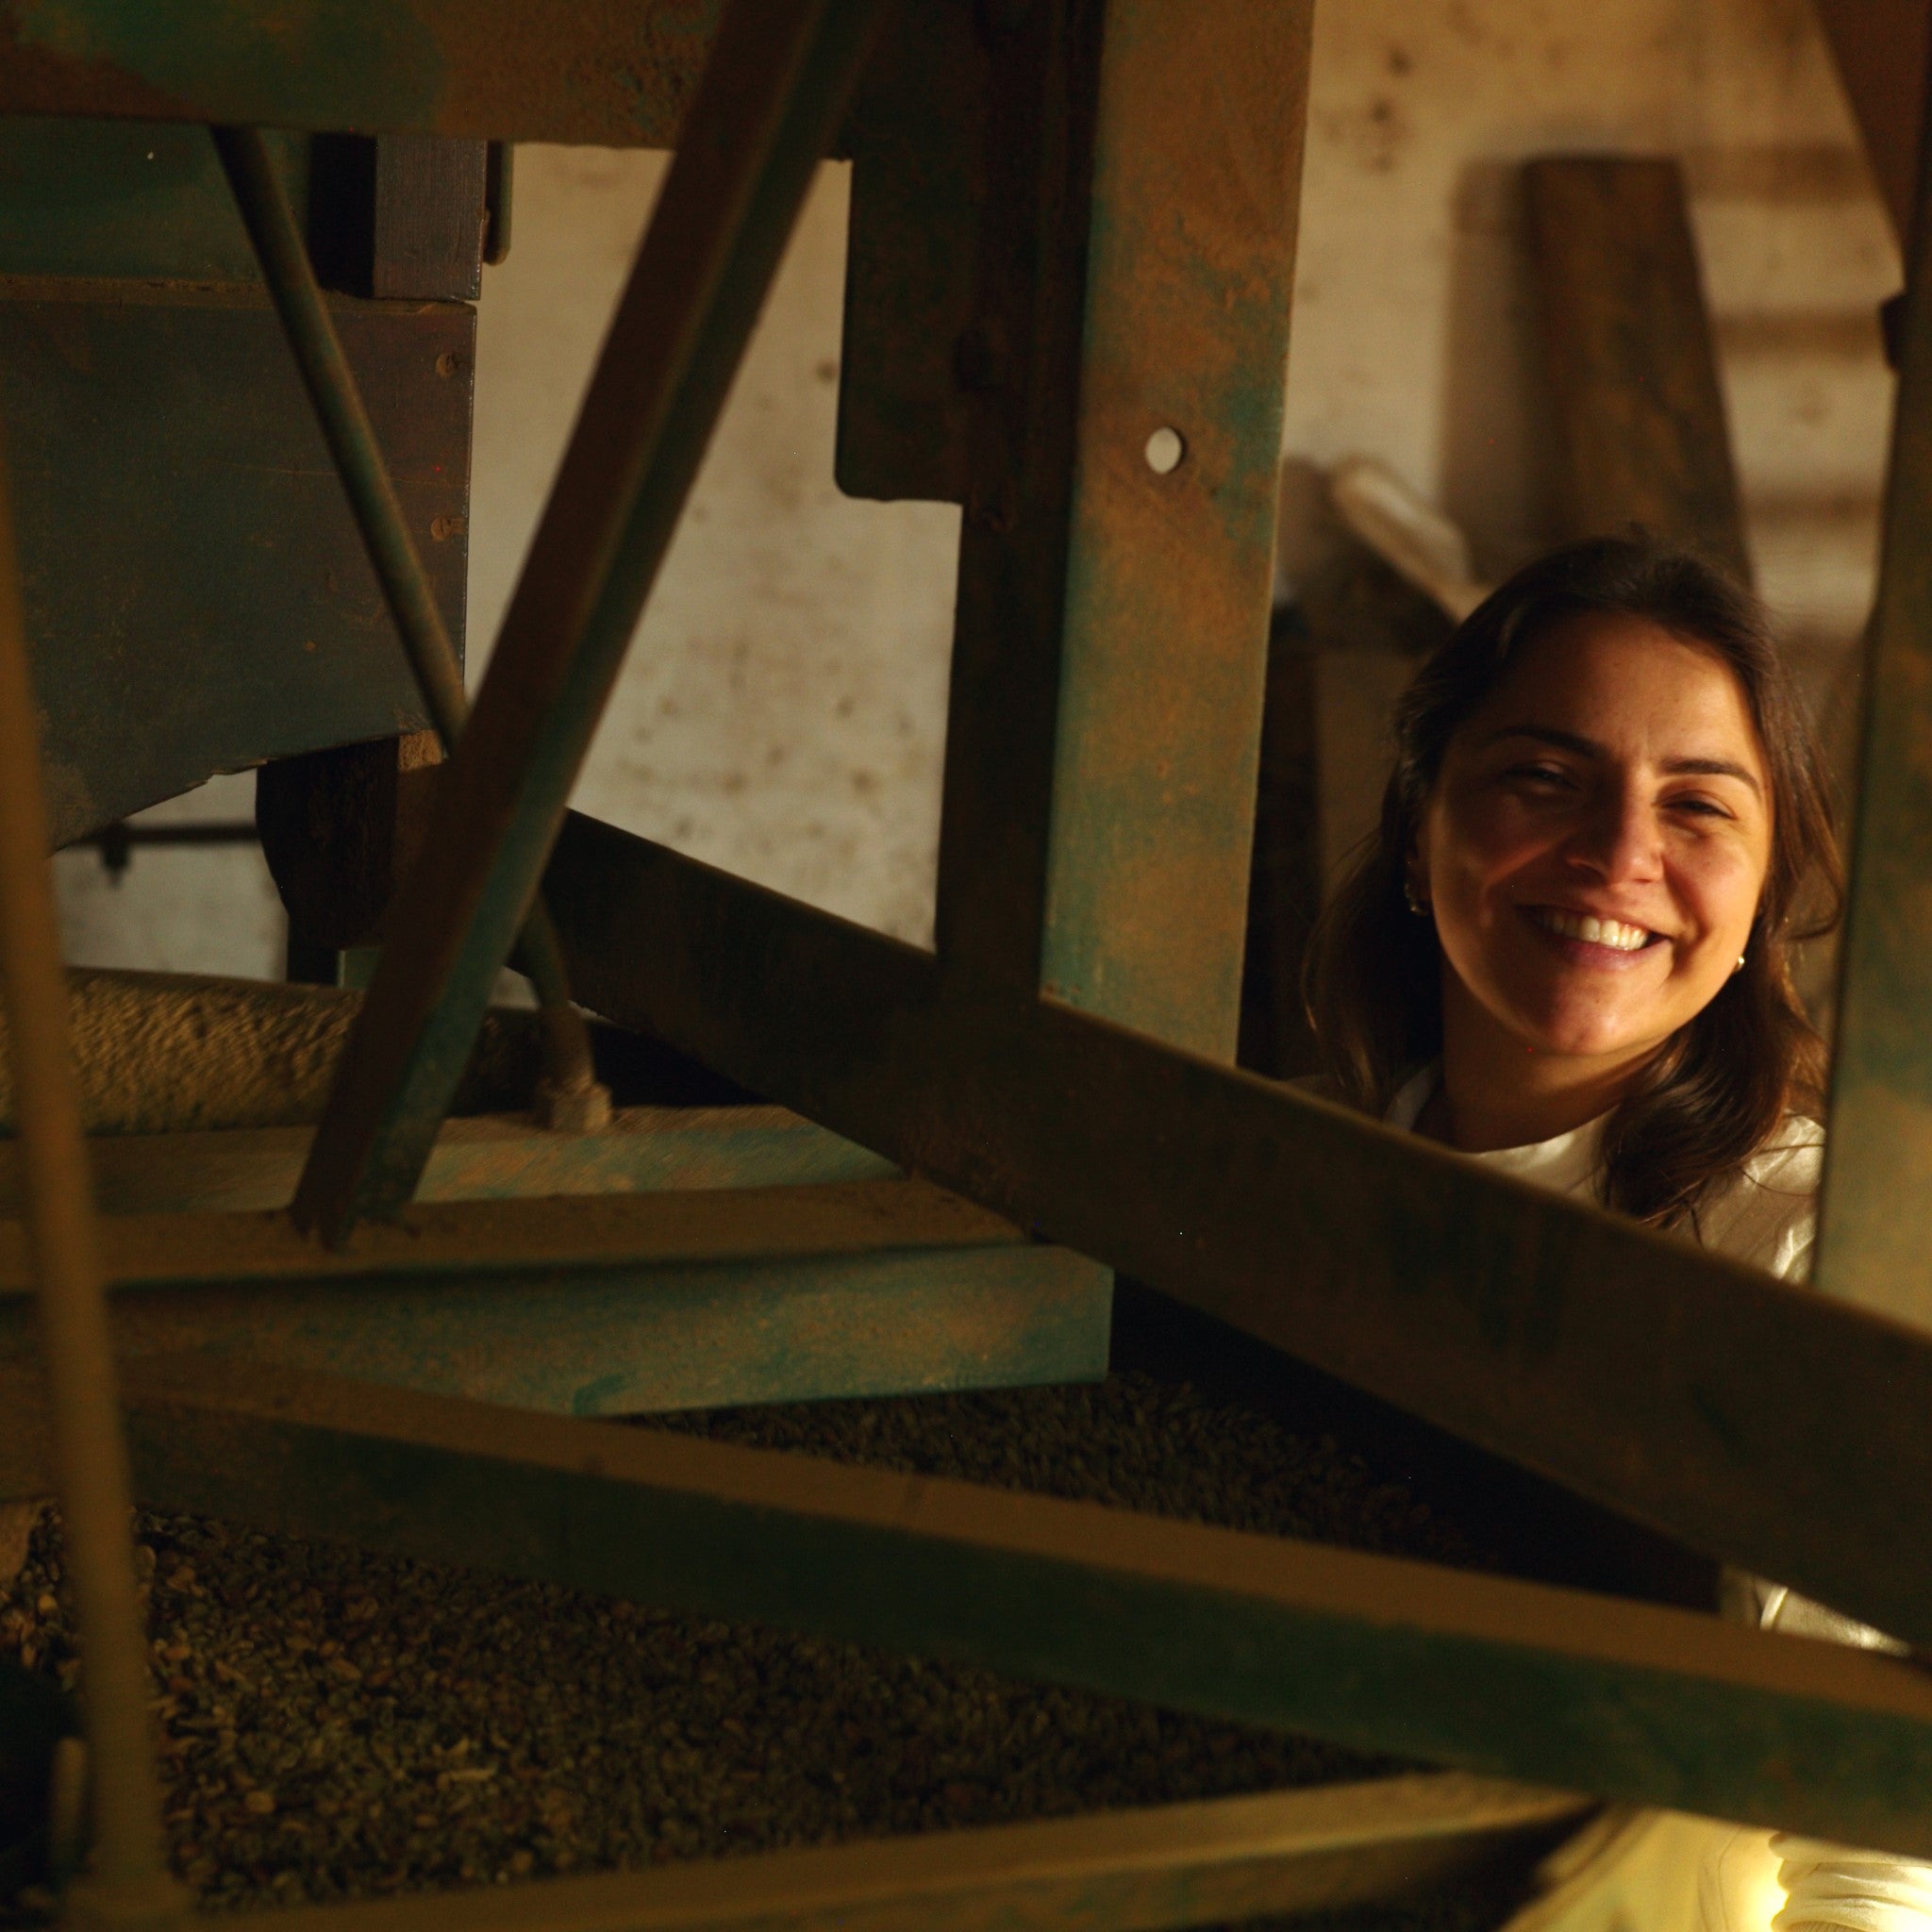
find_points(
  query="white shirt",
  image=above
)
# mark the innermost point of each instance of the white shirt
(1767, 1217)
(1667, 1872)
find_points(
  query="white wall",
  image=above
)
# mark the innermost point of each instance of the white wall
(782, 710)
(1413, 335)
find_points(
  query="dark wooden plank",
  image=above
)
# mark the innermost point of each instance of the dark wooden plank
(912, 371)
(1880, 47)
(1875, 1232)
(1754, 1421)
(1640, 417)
(187, 553)
(1019, 362)
(339, 829)
(430, 218)
(1582, 1692)
(1224, 1861)
(605, 72)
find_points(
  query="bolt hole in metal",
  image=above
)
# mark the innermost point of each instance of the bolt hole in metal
(1165, 448)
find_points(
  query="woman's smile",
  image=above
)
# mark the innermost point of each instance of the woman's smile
(1596, 845)
(1590, 941)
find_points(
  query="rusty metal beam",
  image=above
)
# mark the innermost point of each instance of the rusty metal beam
(771, 96)
(614, 73)
(1225, 1861)
(1754, 1421)
(1558, 1688)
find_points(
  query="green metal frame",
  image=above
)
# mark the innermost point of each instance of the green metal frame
(1060, 1059)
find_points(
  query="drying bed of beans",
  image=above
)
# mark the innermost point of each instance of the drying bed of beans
(338, 1725)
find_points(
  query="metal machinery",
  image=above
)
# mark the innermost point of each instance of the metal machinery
(1071, 236)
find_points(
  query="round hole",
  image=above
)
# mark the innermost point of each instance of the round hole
(1165, 450)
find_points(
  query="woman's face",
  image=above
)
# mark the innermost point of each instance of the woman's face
(1597, 842)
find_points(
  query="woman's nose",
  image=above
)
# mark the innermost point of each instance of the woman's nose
(1619, 841)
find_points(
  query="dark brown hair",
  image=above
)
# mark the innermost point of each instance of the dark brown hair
(1723, 1085)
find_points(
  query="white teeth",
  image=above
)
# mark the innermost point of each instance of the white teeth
(1597, 932)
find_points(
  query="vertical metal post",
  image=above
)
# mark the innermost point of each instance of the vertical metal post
(405, 587)
(1875, 1213)
(771, 99)
(127, 1885)
(1104, 735)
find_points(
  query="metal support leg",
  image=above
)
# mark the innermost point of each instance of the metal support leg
(572, 1097)
(771, 99)
(128, 1885)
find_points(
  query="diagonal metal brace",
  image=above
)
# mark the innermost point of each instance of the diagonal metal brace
(571, 1088)
(766, 111)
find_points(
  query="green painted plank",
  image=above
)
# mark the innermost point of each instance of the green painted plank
(500, 1156)
(562, 1235)
(1164, 651)
(648, 1339)
(1753, 1419)
(1588, 1693)
(1876, 1216)
(616, 73)
(1225, 1861)
(187, 554)
(615, 1303)
(139, 198)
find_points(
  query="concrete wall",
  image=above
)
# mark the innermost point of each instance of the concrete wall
(783, 710)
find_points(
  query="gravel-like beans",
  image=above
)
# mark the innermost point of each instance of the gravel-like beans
(338, 1725)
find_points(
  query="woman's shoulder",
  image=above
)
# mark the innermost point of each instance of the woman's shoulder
(1768, 1216)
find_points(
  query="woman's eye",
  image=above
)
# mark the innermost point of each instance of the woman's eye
(1540, 775)
(1699, 808)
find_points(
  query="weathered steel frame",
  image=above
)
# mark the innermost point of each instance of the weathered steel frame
(1545, 1300)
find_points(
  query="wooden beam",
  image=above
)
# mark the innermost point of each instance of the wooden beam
(1753, 1419)
(1641, 431)
(1881, 47)
(1627, 1700)
(1224, 1859)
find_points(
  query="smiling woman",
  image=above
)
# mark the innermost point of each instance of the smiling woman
(1606, 826)
(1566, 953)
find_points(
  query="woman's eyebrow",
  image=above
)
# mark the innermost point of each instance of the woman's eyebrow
(1548, 734)
(1589, 748)
(1713, 767)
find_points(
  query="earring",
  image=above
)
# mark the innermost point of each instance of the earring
(1416, 904)
(1740, 966)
